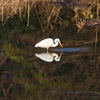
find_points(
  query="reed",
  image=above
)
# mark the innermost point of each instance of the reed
(48, 14)
(12, 7)
(43, 9)
(89, 10)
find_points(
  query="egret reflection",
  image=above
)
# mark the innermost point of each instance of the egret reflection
(49, 57)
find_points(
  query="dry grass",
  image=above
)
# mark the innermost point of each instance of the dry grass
(50, 12)
(9, 8)
(86, 12)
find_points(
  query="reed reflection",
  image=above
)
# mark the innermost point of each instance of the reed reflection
(49, 57)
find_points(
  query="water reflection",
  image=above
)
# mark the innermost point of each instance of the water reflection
(49, 57)
(72, 49)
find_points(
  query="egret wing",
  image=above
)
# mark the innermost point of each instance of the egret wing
(45, 57)
(45, 43)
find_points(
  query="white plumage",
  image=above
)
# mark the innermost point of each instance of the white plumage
(48, 57)
(49, 42)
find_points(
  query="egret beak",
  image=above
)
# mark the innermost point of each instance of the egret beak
(60, 44)
(60, 55)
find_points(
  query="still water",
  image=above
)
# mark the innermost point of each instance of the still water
(71, 72)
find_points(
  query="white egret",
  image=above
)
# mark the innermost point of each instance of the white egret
(49, 42)
(48, 57)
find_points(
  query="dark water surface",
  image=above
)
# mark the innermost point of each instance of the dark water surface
(68, 73)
